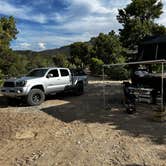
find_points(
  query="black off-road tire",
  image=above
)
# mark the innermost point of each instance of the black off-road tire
(79, 89)
(35, 97)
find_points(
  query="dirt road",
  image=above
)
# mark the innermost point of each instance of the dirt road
(68, 130)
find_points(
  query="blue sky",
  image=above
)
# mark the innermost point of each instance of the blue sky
(48, 24)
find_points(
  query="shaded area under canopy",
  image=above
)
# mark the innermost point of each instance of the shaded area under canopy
(153, 48)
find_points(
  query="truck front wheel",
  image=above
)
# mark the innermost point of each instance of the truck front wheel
(35, 97)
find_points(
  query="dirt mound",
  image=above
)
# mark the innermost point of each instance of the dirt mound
(69, 130)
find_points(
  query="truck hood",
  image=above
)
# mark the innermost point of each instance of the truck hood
(21, 79)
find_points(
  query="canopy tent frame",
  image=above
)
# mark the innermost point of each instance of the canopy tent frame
(162, 62)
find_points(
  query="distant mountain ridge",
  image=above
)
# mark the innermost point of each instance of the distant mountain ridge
(50, 52)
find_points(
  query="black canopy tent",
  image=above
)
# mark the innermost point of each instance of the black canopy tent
(151, 51)
(160, 114)
(152, 48)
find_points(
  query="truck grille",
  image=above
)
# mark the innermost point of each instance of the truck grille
(9, 84)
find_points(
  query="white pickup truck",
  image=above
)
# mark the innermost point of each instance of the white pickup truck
(42, 81)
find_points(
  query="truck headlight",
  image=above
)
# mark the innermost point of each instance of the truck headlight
(21, 83)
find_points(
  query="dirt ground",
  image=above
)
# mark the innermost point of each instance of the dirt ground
(76, 130)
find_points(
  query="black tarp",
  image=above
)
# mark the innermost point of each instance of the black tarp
(153, 48)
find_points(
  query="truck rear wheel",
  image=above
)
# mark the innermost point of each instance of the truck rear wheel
(35, 97)
(79, 89)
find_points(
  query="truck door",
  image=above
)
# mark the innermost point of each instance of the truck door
(65, 77)
(53, 81)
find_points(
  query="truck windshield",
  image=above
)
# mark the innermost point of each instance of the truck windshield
(37, 73)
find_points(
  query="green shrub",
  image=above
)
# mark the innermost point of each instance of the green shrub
(1, 78)
(96, 66)
(117, 73)
(1, 82)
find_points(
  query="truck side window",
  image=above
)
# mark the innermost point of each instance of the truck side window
(54, 73)
(64, 72)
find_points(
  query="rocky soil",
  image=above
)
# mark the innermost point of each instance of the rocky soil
(76, 130)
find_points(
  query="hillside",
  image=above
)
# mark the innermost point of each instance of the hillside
(51, 52)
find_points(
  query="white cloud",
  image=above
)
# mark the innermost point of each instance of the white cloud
(116, 3)
(42, 45)
(25, 45)
(82, 16)
(79, 21)
(89, 25)
(78, 9)
(49, 39)
(40, 18)
(6, 8)
(22, 12)
(162, 19)
(94, 6)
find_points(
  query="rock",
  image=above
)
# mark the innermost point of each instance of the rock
(26, 134)
(78, 142)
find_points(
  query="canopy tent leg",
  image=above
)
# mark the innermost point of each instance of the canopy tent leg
(161, 114)
(103, 76)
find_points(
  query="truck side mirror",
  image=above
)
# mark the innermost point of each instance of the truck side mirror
(50, 75)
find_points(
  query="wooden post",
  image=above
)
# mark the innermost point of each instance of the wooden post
(103, 75)
(162, 86)
(160, 115)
